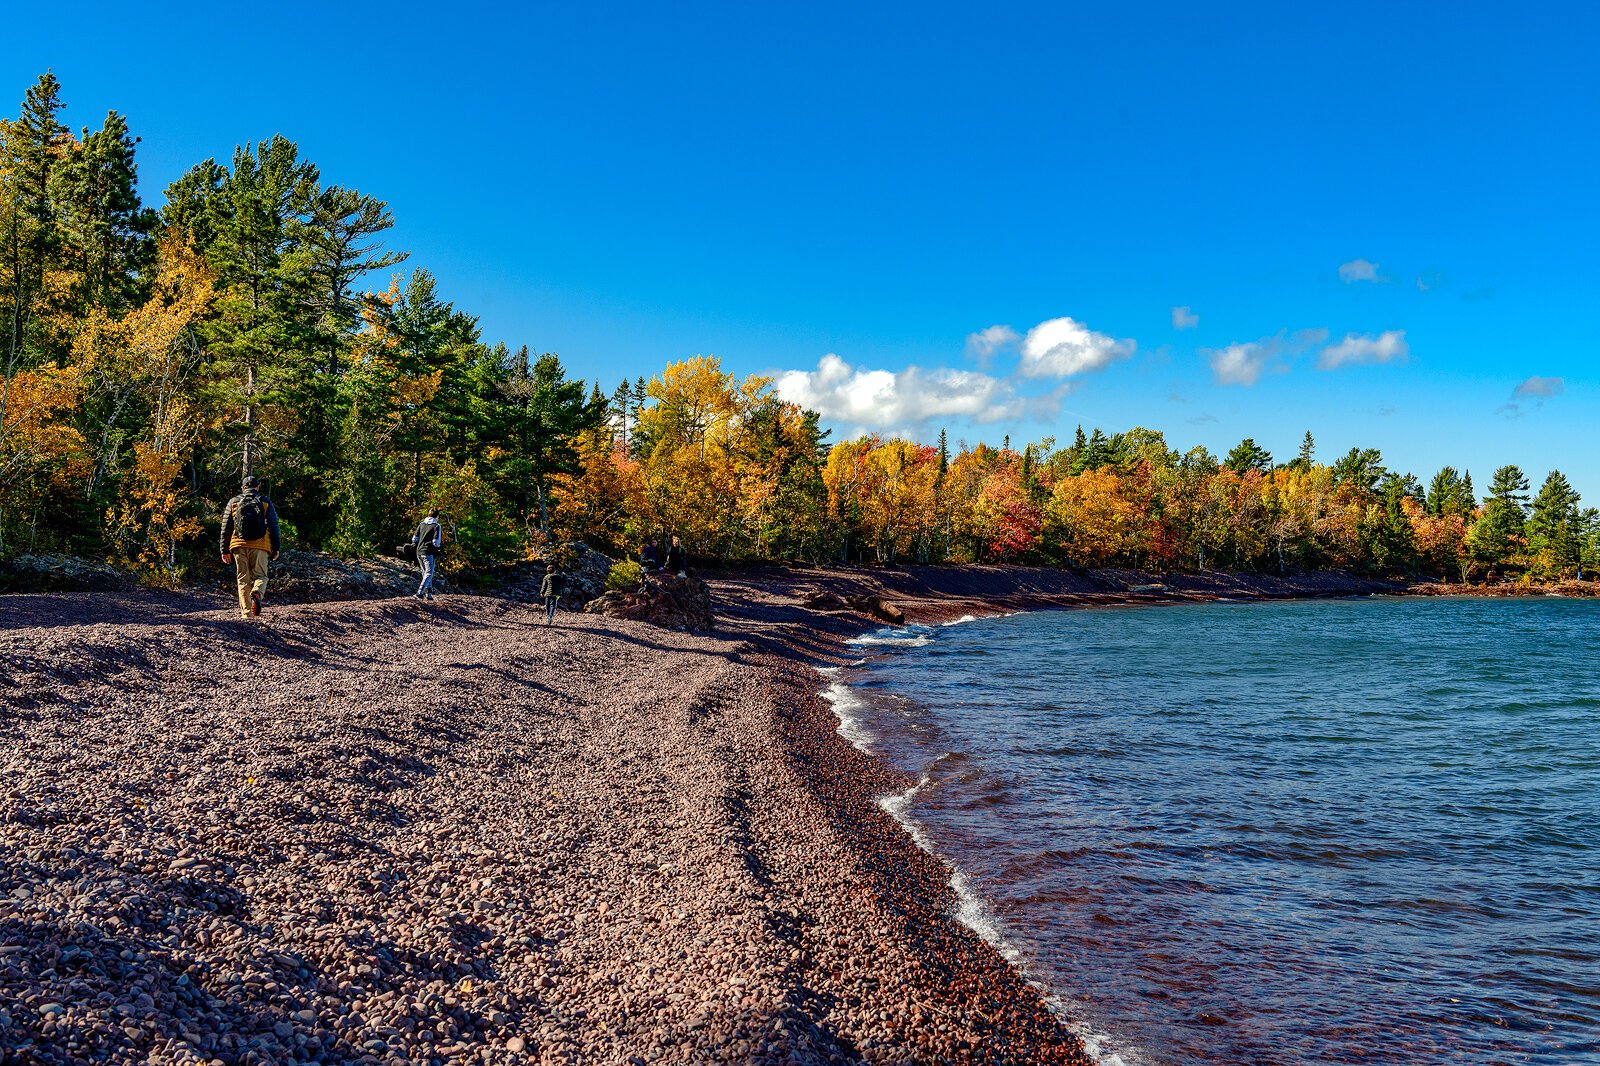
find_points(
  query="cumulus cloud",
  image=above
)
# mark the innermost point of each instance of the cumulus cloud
(1539, 387)
(887, 399)
(983, 344)
(1358, 270)
(1387, 347)
(1184, 318)
(1243, 364)
(1062, 347)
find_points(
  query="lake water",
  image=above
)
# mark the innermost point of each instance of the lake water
(1306, 832)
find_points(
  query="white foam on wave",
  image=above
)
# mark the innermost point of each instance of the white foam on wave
(846, 706)
(974, 912)
(963, 620)
(902, 638)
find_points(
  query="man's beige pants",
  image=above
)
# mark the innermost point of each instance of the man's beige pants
(251, 564)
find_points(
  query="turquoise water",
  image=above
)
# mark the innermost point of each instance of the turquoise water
(1308, 832)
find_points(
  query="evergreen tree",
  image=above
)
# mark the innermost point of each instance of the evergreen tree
(261, 342)
(1308, 451)
(1385, 533)
(1360, 468)
(622, 411)
(1554, 526)
(546, 411)
(30, 146)
(1246, 456)
(1499, 532)
(944, 453)
(1450, 494)
(107, 234)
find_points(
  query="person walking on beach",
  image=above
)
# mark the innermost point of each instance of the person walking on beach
(550, 588)
(677, 559)
(429, 540)
(249, 539)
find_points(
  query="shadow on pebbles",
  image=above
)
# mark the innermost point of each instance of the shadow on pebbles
(380, 832)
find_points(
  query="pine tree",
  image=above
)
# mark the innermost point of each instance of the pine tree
(622, 410)
(108, 235)
(1246, 456)
(1308, 452)
(1450, 494)
(547, 412)
(261, 342)
(1361, 468)
(1499, 532)
(29, 149)
(1553, 525)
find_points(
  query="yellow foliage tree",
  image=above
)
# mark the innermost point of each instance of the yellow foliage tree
(1089, 517)
(147, 357)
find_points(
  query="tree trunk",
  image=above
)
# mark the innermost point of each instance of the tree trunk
(249, 421)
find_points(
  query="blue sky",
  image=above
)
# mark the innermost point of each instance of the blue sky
(1381, 218)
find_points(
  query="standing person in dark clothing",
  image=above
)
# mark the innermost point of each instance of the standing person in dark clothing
(649, 558)
(429, 539)
(249, 539)
(551, 589)
(677, 559)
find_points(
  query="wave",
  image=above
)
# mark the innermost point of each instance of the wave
(974, 912)
(908, 637)
(847, 705)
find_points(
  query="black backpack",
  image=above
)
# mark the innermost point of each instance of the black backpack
(250, 516)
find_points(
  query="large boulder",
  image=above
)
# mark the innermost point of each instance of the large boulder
(59, 573)
(585, 576)
(313, 577)
(662, 600)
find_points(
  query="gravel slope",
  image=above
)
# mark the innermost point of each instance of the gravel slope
(378, 832)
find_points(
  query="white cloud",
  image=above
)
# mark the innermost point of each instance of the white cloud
(1063, 347)
(1540, 387)
(1387, 347)
(1358, 270)
(1184, 318)
(986, 342)
(1243, 364)
(885, 399)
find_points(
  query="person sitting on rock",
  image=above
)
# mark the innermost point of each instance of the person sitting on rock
(649, 558)
(249, 538)
(429, 539)
(677, 558)
(550, 588)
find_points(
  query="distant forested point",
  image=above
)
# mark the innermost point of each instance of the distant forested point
(256, 322)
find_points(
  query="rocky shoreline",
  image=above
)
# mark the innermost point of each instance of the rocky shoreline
(378, 832)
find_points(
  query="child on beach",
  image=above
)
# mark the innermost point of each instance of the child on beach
(550, 588)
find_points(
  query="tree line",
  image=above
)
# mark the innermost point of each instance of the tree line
(256, 323)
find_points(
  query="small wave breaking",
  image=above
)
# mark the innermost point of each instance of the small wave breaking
(906, 637)
(974, 912)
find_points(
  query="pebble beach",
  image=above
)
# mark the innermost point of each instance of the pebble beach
(387, 832)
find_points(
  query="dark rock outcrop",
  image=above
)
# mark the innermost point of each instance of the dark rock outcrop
(313, 577)
(585, 577)
(59, 573)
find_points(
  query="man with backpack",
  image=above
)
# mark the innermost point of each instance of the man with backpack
(429, 541)
(249, 539)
